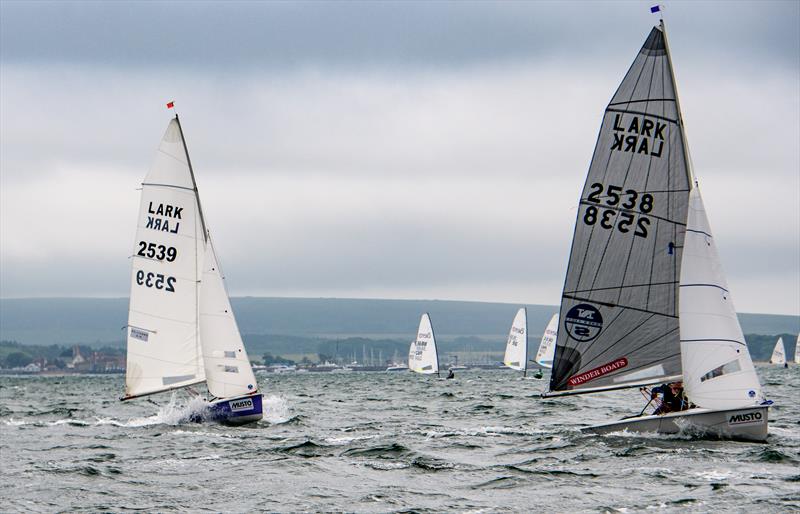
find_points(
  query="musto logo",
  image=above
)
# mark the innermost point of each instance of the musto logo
(240, 405)
(746, 417)
(599, 371)
(583, 322)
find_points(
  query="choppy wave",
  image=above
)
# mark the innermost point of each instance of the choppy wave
(369, 442)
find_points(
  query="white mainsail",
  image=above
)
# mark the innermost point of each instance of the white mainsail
(163, 327)
(797, 350)
(228, 370)
(547, 348)
(718, 372)
(516, 356)
(779, 353)
(422, 356)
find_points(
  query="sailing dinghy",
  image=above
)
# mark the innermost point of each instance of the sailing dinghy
(422, 355)
(779, 353)
(797, 350)
(547, 348)
(645, 300)
(181, 328)
(516, 356)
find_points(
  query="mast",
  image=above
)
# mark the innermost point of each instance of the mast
(525, 356)
(194, 182)
(205, 235)
(686, 155)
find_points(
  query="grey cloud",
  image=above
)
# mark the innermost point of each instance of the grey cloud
(259, 35)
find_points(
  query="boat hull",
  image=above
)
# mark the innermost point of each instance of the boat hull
(233, 411)
(748, 424)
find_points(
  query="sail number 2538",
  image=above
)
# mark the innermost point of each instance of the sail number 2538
(623, 202)
(156, 280)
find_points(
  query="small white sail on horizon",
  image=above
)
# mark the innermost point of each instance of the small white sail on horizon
(516, 356)
(797, 350)
(779, 353)
(547, 348)
(422, 355)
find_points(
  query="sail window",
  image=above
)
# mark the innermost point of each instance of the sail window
(230, 369)
(730, 367)
(230, 355)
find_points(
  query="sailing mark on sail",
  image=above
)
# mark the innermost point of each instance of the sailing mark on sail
(640, 113)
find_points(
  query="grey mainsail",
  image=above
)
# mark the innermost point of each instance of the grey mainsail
(619, 309)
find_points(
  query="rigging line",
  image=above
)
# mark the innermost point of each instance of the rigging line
(705, 285)
(623, 286)
(640, 101)
(699, 232)
(657, 116)
(631, 211)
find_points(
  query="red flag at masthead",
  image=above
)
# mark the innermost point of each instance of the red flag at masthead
(170, 105)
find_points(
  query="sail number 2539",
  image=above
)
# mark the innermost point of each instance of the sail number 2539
(620, 216)
(156, 280)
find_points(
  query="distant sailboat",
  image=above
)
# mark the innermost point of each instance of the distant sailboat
(547, 348)
(422, 355)
(645, 299)
(797, 350)
(779, 353)
(181, 328)
(516, 356)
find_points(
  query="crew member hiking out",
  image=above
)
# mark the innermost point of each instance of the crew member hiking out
(672, 398)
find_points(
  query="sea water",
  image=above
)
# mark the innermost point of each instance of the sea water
(379, 442)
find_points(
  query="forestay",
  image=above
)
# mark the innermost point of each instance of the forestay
(516, 356)
(778, 353)
(547, 348)
(228, 370)
(619, 308)
(717, 369)
(422, 356)
(163, 342)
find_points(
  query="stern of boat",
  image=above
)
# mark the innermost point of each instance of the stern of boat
(237, 411)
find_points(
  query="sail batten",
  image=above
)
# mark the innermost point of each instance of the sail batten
(619, 306)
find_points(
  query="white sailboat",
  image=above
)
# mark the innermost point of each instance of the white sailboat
(547, 348)
(779, 353)
(422, 355)
(181, 328)
(797, 350)
(516, 356)
(645, 300)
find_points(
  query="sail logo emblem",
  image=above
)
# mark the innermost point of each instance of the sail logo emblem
(240, 405)
(597, 372)
(747, 417)
(583, 322)
(141, 335)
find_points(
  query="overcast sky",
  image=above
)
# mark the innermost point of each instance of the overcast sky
(381, 150)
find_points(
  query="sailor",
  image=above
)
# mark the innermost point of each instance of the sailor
(450, 374)
(538, 374)
(672, 398)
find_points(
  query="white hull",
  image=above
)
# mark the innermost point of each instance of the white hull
(748, 424)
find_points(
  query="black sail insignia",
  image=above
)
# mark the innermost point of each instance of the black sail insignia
(619, 307)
